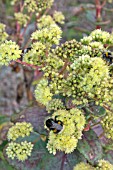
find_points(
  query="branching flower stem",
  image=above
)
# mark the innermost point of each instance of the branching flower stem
(63, 160)
(99, 7)
(29, 65)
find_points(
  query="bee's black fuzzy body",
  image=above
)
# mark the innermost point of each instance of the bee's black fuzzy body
(108, 57)
(55, 125)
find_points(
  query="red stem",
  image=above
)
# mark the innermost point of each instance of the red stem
(26, 64)
(64, 67)
(63, 160)
(98, 12)
(16, 9)
(99, 7)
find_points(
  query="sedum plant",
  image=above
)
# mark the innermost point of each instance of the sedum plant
(76, 87)
(19, 150)
(102, 165)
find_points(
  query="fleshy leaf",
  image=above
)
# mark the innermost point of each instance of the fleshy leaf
(41, 159)
(90, 147)
(35, 115)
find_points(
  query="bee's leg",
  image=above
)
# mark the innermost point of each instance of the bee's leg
(56, 118)
(111, 60)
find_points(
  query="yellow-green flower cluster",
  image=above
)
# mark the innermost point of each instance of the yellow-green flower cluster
(53, 64)
(35, 5)
(44, 4)
(98, 45)
(104, 165)
(85, 79)
(36, 55)
(102, 36)
(20, 151)
(59, 17)
(31, 5)
(20, 129)
(38, 5)
(54, 104)
(67, 50)
(107, 124)
(48, 36)
(3, 34)
(45, 21)
(99, 36)
(72, 49)
(89, 79)
(21, 18)
(83, 166)
(67, 139)
(9, 51)
(42, 92)
(86, 40)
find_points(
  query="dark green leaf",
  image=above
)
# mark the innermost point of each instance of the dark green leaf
(41, 159)
(35, 115)
(95, 110)
(108, 156)
(98, 110)
(90, 147)
(5, 166)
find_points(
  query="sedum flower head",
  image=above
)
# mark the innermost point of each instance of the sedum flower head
(3, 34)
(35, 5)
(42, 92)
(36, 55)
(67, 139)
(104, 165)
(45, 21)
(31, 5)
(107, 124)
(68, 50)
(21, 18)
(9, 51)
(54, 104)
(86, 40)
(62, 143)
(73, 49)
(96, 39)
(20, 129)
(48, 36)
(20, 151)
(38, 5)
(95, 44)
(83, 166)
(88, 79)
(59, 17)
(101, 36)
(53, 64)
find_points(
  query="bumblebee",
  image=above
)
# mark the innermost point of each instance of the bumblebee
(55, 125)
(108, 57)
